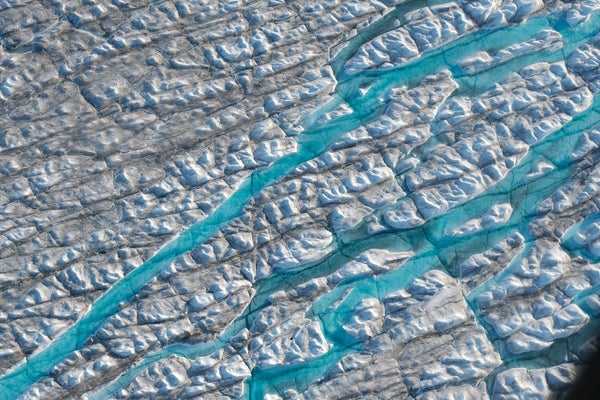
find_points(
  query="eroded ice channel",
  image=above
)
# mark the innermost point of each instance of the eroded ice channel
(428, 245)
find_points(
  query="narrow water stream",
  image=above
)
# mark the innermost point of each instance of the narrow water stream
(524, 195)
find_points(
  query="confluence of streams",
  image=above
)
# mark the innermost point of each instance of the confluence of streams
(312, 143)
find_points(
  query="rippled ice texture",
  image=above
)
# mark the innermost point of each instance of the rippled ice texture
(298, 199)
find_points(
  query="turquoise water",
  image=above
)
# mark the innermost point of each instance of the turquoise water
(550, 182)
(443, 252)
(381, 26)
(439, 251)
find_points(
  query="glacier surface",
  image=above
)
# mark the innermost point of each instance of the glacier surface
(298, 199)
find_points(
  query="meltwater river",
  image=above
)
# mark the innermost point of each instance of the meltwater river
(438, 252)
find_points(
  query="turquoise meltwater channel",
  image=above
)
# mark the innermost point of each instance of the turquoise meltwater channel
(313, 142)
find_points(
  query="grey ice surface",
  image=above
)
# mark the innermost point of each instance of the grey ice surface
(334, 199)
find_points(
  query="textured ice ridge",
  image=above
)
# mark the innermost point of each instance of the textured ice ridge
(298, 199)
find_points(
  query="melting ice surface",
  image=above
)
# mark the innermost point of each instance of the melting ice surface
(431, 243)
